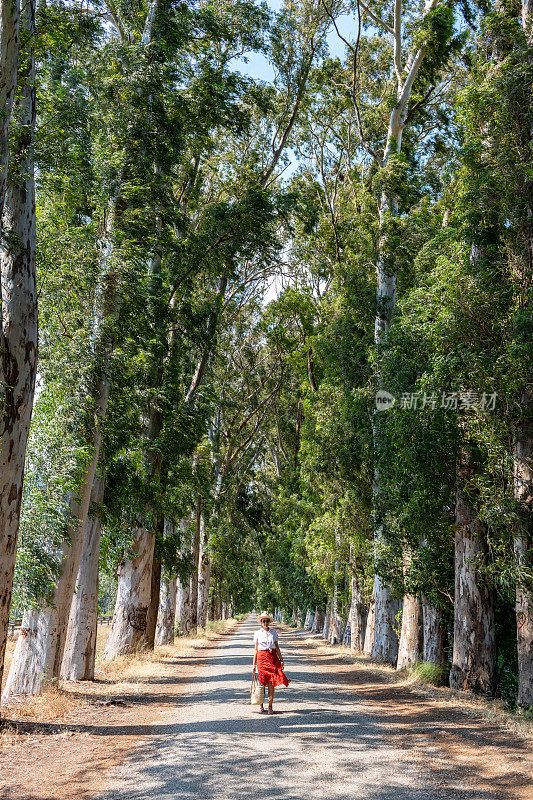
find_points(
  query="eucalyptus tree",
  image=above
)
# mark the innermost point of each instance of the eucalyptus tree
(32, 665)
(368, 125)
(421, 46)
(302, 32)
(18, 280)
(496, 206)
(9, 61)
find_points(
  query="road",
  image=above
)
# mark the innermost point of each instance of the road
(327, 740)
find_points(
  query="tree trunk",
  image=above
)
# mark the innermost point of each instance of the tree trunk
(357, 617)
(41, 662)
(212, 604)
(128, 628)
(369, 630)
(183, 607)
(80, 647)
(385, 607)
(29, 681)
(434, 637)
(523, 543)
(164, 633)
(318, 621)
(9, 57)
(327, 622)
(195, 552)
(409, 646)
(44, 660)
(35, 663)
(474, 646)
(385, 647)
(153, 608)
(336, 628)
(183, 588)
(19, 339)
(204, 573)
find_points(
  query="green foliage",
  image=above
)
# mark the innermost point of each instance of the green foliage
(158, 235)
(430, 674)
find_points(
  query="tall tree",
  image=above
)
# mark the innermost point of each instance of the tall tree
(19, 291)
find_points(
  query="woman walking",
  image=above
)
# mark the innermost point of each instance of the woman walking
(268, 659)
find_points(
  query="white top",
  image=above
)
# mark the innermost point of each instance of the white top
(266, 640)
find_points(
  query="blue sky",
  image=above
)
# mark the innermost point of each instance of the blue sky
(258, 66)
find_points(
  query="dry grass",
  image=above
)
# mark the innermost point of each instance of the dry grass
(53, 704)
(142, 665)
(490, 710)
(124, 676)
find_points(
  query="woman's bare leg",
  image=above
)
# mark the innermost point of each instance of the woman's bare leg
(270, 695)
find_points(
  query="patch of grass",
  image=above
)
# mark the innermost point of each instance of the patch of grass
(429, 674)
(135, 666)
(51, 705)
(218, 625)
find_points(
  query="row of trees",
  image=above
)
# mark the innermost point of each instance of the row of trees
(416, 514)
(158, 219)
(361, 444)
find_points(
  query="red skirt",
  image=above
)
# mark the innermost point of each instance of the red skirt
(269, 669)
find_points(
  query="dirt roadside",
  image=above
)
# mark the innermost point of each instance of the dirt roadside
(88, 728)
(456, 745)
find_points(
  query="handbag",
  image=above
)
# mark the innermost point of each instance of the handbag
(257, 692)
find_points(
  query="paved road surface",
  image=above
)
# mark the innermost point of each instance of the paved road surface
(321, 744)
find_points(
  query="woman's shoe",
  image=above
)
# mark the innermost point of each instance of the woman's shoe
(270, 711)
(261, 710)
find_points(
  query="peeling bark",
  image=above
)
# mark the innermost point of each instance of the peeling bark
(474, 646)
(19, 295)
(434, 635)
(369, 630)
(128, 628)
(523, 544)
(385, 646)
(327, 622)
(183, 607)
(80, 647)
(9, 57)
(318, 621)
(164, 633)
(409, 647)
(153, 608)
(358, 614)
